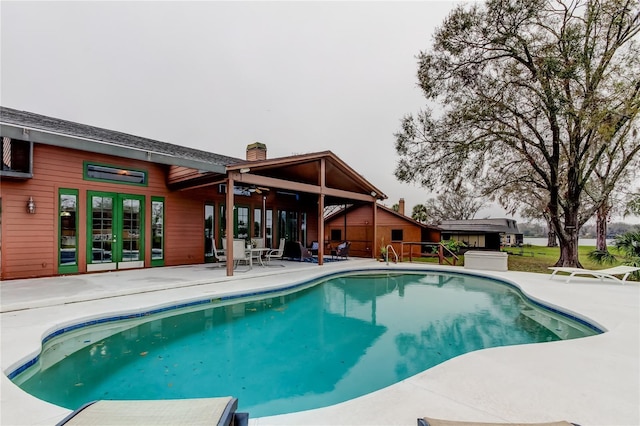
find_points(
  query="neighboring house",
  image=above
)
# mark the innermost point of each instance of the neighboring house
(490, 234)
(77, 198)
(392, 228)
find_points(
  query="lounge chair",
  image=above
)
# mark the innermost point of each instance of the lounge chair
(200, 411)
(427, 421)
(598, 273)
(277, 253)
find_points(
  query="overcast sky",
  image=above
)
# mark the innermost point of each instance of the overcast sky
(298, 76)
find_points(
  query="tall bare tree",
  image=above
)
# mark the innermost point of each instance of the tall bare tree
(534, 91)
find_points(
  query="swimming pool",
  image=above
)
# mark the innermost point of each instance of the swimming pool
(314, 347)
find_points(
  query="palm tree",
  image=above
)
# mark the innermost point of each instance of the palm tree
(628, 244)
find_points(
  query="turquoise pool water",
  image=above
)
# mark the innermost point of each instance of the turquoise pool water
(345, 337)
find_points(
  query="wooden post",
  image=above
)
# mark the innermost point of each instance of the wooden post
(323, 171)
(229, 213)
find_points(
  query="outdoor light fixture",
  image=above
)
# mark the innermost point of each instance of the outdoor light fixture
(373, 193)
(31, 206)
(245, 170)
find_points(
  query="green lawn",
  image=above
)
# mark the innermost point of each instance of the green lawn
(539, 258)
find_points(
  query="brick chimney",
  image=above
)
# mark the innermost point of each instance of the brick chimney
(256, 151)
(401, 206)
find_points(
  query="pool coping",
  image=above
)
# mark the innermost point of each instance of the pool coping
(552, 381)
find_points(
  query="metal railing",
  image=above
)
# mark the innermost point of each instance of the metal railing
(438, 250)
(390, 247)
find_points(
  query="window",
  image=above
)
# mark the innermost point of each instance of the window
(257, 223)
(209, 234)
(396, 235)
(288, 225)
(68, 231)
(16, 158)
(114, 174)
(132, 226)
(157, 231)
(223, 223)
(303, 228)
(269, 226)
(336, 234)
(242, 223)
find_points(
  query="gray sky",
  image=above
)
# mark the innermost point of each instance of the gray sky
(298, 76)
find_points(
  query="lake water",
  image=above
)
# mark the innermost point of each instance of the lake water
(581, 241)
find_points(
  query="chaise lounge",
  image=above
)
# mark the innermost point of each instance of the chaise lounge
(427, 421)
(598, 273)
(200, 411)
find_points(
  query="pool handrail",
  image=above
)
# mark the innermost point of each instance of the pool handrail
(386, 255)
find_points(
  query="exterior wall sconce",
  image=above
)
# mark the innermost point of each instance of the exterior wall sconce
(31, 206)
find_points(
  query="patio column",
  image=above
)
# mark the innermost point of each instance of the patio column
(229, 218)
(321, 213)
(320, 229)
(375, 229)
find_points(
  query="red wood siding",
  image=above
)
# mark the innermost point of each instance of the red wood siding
(30, 241)
(359, 230)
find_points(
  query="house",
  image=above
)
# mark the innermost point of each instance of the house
(77, 198)
(490, 234)
(355, 224)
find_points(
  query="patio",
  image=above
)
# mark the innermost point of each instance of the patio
(589, 381)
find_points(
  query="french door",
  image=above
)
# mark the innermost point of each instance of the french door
(115, 229)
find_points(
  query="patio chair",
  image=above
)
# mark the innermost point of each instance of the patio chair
(200, 411)
(314, 248)
(427, 421)
(240, 254)
(343, 249)
(295, 250)
(598, 273)
(219, 255)
(305, 253)
(277, 253)
(258, 250)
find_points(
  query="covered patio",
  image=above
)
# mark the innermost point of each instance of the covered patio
(302, 184)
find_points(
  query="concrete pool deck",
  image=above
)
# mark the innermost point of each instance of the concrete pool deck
(589, 381)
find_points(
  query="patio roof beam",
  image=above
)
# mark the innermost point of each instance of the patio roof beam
(252, 179)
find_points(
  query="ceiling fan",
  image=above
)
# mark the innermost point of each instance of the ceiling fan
(259, 189)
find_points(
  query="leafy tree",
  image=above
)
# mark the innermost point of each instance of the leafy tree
(531, 204)
(536, 93)
(600, 192)
(633, 206)
(453, 205)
